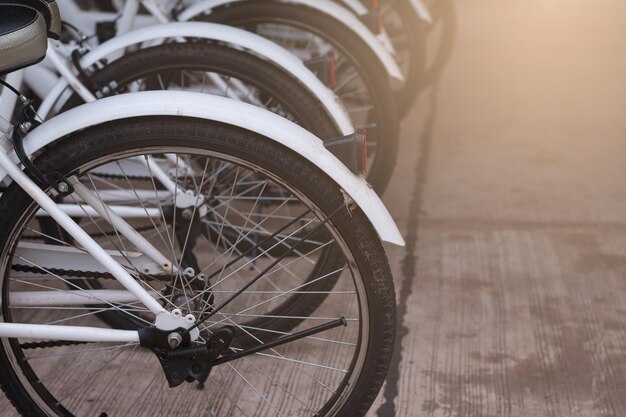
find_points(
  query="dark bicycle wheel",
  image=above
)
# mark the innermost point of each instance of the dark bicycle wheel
(406, 32)
(217, 70)
(336, 372)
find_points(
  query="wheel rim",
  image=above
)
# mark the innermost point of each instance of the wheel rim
(128, 357)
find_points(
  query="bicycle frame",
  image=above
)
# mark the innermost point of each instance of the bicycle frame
(68, 77)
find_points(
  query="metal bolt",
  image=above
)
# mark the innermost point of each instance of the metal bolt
(189, 271)
(63, 187)
(187, 214)
(25, 127)
(174, 340)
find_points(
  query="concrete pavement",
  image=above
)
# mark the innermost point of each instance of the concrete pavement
(512, 287)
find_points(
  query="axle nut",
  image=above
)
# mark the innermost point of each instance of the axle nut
(174, 340)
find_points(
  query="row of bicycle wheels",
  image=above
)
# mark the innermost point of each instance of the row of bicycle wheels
(224, 213)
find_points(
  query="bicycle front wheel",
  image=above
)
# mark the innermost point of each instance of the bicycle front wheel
(334, 373)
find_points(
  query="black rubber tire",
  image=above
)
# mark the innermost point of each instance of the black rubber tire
(345, 40)
(16, 207)
(302, 105)
(413, 28)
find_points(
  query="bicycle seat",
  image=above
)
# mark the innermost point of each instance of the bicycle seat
(24, 29)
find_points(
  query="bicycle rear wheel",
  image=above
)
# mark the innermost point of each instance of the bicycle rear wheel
(335, 373)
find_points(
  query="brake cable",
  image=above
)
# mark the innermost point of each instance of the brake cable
(30, 121)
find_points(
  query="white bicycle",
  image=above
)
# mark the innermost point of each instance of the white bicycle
(210, 323)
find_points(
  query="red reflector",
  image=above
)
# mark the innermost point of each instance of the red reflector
(379, 17)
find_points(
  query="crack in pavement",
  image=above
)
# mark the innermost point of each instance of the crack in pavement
(409, 261)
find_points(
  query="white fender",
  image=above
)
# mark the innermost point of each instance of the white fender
(356, 6)
(422, 10)
(229, 35)
(331, 9)
(359, 9)
(224, 110)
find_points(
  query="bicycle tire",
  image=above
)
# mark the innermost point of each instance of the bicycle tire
(25, 379)
(302, 106)
(413, 66)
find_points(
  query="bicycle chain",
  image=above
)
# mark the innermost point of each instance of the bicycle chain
(72, 273)
(50, 344)
(66, 273)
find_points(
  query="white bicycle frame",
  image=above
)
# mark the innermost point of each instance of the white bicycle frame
(151, 103)
(68, 77)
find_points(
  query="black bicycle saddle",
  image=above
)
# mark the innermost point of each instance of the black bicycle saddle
(24, 28)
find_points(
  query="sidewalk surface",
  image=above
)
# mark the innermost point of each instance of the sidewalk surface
(513, 284)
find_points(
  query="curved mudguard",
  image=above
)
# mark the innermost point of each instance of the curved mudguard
(334, 11)
(224, 110)
(422, 10)
(232, 36)
(418, 5)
